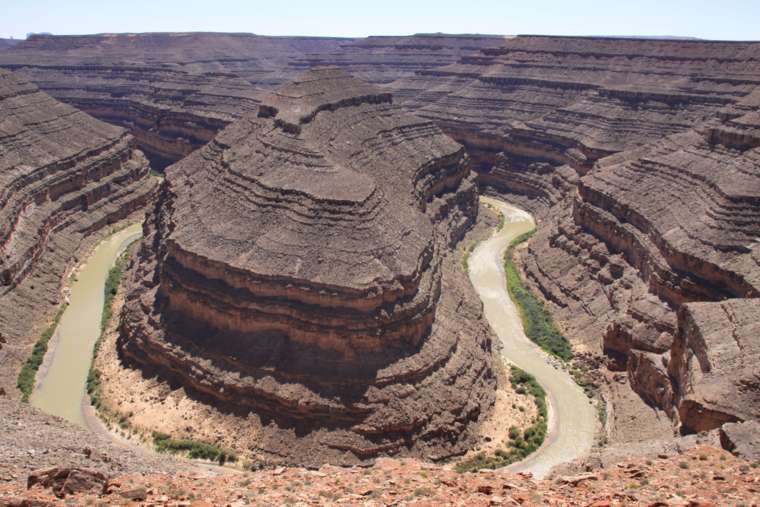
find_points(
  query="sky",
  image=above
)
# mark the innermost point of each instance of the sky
(709, 19)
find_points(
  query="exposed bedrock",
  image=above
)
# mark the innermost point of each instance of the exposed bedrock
(63, 176)
(639, 157)
(646, 181)
(537, 104)
(714, 362)
(169, 111)
(173, 91)
(296, 267)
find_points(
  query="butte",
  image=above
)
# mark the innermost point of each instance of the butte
(298, 269)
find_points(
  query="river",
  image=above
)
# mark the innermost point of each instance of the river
(572, 417)
(61, 381)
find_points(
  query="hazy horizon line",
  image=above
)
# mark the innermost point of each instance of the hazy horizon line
(417, 34)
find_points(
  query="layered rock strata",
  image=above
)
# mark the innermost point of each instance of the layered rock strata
(169, 111)
(639, 155)
(296, 268)
(713, 363)
(7, 43)
(63, 177)
(173, 91)
(654, 227)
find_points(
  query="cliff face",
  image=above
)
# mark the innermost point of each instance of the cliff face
(63, 176)
(296, 267)
(640, 157)
(175, 91)
(169, 111)
(713, 363)
(7, 43)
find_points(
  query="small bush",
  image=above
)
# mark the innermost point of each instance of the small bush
(194, 449)
(28, 374)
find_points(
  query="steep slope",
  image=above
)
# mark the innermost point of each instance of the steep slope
(63, 177)
(641, 158)
(296, 267)
(7, 43)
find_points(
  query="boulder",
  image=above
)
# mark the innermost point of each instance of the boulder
(68, 481)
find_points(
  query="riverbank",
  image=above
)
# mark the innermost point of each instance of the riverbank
(572, 418)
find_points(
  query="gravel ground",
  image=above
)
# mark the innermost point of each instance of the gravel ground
(32, 439)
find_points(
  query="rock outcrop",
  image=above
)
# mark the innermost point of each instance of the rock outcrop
(713, 363)
(639, 156)
(297, 268)
(641, 159)
(7, 43)
(63, 177)
(68, 481)
(742, 439)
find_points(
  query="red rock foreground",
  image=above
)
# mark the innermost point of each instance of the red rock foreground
(703, 476)
(297, 268)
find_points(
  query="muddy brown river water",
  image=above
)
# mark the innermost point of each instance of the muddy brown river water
(61, 382)
(572, 417)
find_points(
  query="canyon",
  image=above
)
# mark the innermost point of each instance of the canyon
(65, 177)
(318, 212)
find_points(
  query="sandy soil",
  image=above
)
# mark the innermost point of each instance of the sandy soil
(141, 405)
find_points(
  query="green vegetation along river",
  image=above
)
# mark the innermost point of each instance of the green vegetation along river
(572, 417)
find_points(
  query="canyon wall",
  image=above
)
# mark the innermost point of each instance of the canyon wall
(298, 268)
(639, 156)
(7, 43)
(173, 92)
(63, 177)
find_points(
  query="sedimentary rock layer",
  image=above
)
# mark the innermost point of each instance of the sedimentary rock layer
(168, 110)
(7, 43)
(63, 176)
(713, 363)
(173, 92)
(661, 221)
(296, 267)
(640, 156)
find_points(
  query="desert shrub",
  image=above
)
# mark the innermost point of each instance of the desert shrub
(28, 373)
(193, 448)
(520, 445)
